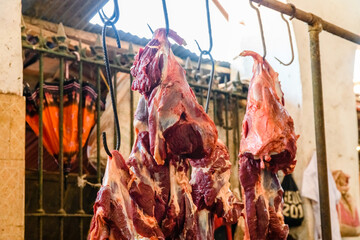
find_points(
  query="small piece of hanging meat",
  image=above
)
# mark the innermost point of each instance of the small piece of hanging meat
(268, 144)
(117, 215)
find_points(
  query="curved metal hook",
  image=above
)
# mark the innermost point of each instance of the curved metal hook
(114, 17)
(289, 32)
(166, 17)
(261, 27)
(208, 52)
(110, 22)
(291, 43)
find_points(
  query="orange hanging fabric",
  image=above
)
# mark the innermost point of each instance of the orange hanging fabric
(51, 113)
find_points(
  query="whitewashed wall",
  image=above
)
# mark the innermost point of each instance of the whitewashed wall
(337, 62)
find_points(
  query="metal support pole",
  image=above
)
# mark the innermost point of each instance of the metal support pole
(227, 118)
(115, 97)
(98, 86)
(80, 137)
(40, 144)
(131, 113)
(61, 152)
(314, 31)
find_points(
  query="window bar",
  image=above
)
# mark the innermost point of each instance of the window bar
(237, 123)
(234, 128)
(226, 117)
(40, 144)
(98, 135)
(115, 96)
(61, 151)
(80, 133)
(214, 105)
(131, 113)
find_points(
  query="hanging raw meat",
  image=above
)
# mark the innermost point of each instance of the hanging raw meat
(268, 145)
(116, 215)
(152, 187)
(177, 123)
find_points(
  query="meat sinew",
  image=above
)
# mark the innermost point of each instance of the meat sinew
(268, 144)
(150, 196)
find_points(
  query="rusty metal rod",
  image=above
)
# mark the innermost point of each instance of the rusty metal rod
(98, 86)
(68, 56)
(80, 137)
(76, 215)
(314, 32)
(226, 118)
(61, 152)
(310, 19)
(40, 144)
(115, 98)
(131, 113)
(204, 87)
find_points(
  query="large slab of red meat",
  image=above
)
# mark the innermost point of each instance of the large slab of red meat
(157, 199)
(268, 144)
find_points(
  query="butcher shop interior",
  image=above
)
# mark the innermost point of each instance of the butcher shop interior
(208, 119)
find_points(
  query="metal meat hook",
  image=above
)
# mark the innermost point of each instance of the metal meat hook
(110, 22)
(290, 38)
(166, 17)
(207, 52)
(261, 27)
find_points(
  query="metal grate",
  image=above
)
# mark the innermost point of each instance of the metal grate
(80, 215)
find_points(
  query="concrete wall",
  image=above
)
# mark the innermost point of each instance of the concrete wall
(337, 62)
(12, 124)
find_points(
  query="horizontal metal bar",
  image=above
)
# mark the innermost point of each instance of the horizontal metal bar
(310, 19)
(233, 94)
(73, 57)
(58, 215)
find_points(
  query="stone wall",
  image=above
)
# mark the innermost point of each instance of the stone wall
(12, 124)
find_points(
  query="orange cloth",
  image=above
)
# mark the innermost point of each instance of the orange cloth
(51, 113)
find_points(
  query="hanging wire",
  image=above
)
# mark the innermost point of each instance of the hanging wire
(111, 22)
(207, 52)
(290, 38)
(260, 25)
(166, 17)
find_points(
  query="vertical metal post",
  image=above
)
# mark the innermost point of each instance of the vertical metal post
(237, 127)
(314, 31)
(115, 96)
(61, 151)
(226, 118)
(40, 143)
(234, 122)
(98, 135)
(131, 113)
(80, 134)
(214, 106)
